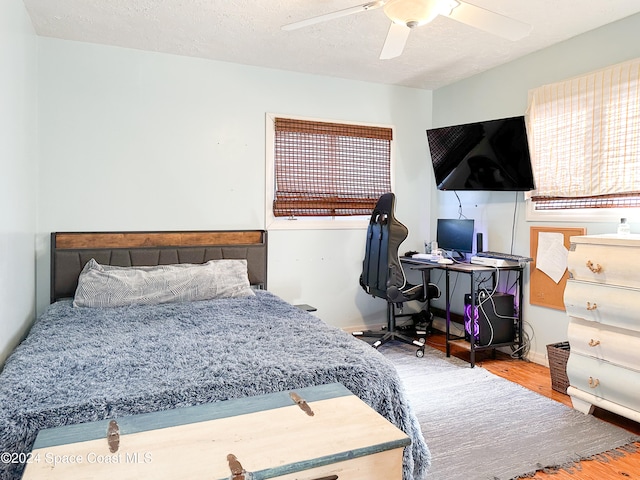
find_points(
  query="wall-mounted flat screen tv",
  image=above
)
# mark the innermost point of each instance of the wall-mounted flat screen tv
(491, 155)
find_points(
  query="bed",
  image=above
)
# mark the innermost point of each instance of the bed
(84, 363)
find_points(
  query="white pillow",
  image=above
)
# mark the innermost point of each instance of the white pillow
(111, 286)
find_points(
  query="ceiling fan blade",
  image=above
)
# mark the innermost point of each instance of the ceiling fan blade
(395, 42)
(490, 22)
(332, 15)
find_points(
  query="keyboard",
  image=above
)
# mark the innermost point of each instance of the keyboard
(498, 259)
(505, 256)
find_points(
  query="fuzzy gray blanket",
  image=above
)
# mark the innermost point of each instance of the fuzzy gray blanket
(85, 364)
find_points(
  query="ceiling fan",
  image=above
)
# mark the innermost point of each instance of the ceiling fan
(408, 14)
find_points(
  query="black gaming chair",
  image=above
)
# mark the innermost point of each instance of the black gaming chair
(382, 273)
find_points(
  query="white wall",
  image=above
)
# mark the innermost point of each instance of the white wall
(18, 140)
(502, 92)
(134, 140)
(130, 140)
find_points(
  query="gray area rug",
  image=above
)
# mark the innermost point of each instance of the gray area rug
(480, 426)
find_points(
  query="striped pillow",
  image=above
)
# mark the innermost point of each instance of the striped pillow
(111, 286)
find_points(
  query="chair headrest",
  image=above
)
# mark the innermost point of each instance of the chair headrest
(385, 204)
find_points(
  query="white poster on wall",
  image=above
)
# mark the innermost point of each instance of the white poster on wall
(551, 258)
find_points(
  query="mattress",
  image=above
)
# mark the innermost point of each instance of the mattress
(85, 364)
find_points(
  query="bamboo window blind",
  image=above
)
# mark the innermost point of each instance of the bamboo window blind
(329, 169)
(585, 140)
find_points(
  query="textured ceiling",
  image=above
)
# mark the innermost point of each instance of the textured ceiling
(248, 32)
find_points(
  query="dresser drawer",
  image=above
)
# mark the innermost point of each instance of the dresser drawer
(616, 345)
(607, 259)
(605, 304)
(605, 380)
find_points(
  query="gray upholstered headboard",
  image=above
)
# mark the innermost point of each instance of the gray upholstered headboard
(70, 251)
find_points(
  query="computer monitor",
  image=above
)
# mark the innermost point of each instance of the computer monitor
(455, 235)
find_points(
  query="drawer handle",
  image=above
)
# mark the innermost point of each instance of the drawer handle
(330, 477)
(593, 382)
(113, 436)
(594, 343)
(597, 268)
(237, 472)
(591, 306)
(302, 403)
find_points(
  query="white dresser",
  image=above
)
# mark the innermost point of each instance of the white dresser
(602, 299)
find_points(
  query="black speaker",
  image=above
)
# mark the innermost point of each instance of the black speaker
(479, 246)
(487, 324)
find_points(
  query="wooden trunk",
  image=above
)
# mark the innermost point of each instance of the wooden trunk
(271, 436)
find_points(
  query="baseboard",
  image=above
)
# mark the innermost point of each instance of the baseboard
(360, 328)
(540, 359)
(440, 325)
(456, 328)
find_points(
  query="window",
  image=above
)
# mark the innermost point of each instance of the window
(585, 140)
(326, 169)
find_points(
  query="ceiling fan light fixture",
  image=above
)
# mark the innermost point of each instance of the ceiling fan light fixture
(447, 6)
(413, 13)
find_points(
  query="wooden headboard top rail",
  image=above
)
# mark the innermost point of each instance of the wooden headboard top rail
(70, 251)
(77, 240)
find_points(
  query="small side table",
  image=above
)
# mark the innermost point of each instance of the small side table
(305, 307)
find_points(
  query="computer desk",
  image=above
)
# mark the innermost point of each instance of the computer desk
(477, 274)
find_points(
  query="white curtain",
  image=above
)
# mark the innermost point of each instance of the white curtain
(584, 134)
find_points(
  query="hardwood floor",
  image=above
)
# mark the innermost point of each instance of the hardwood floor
(537, 378)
